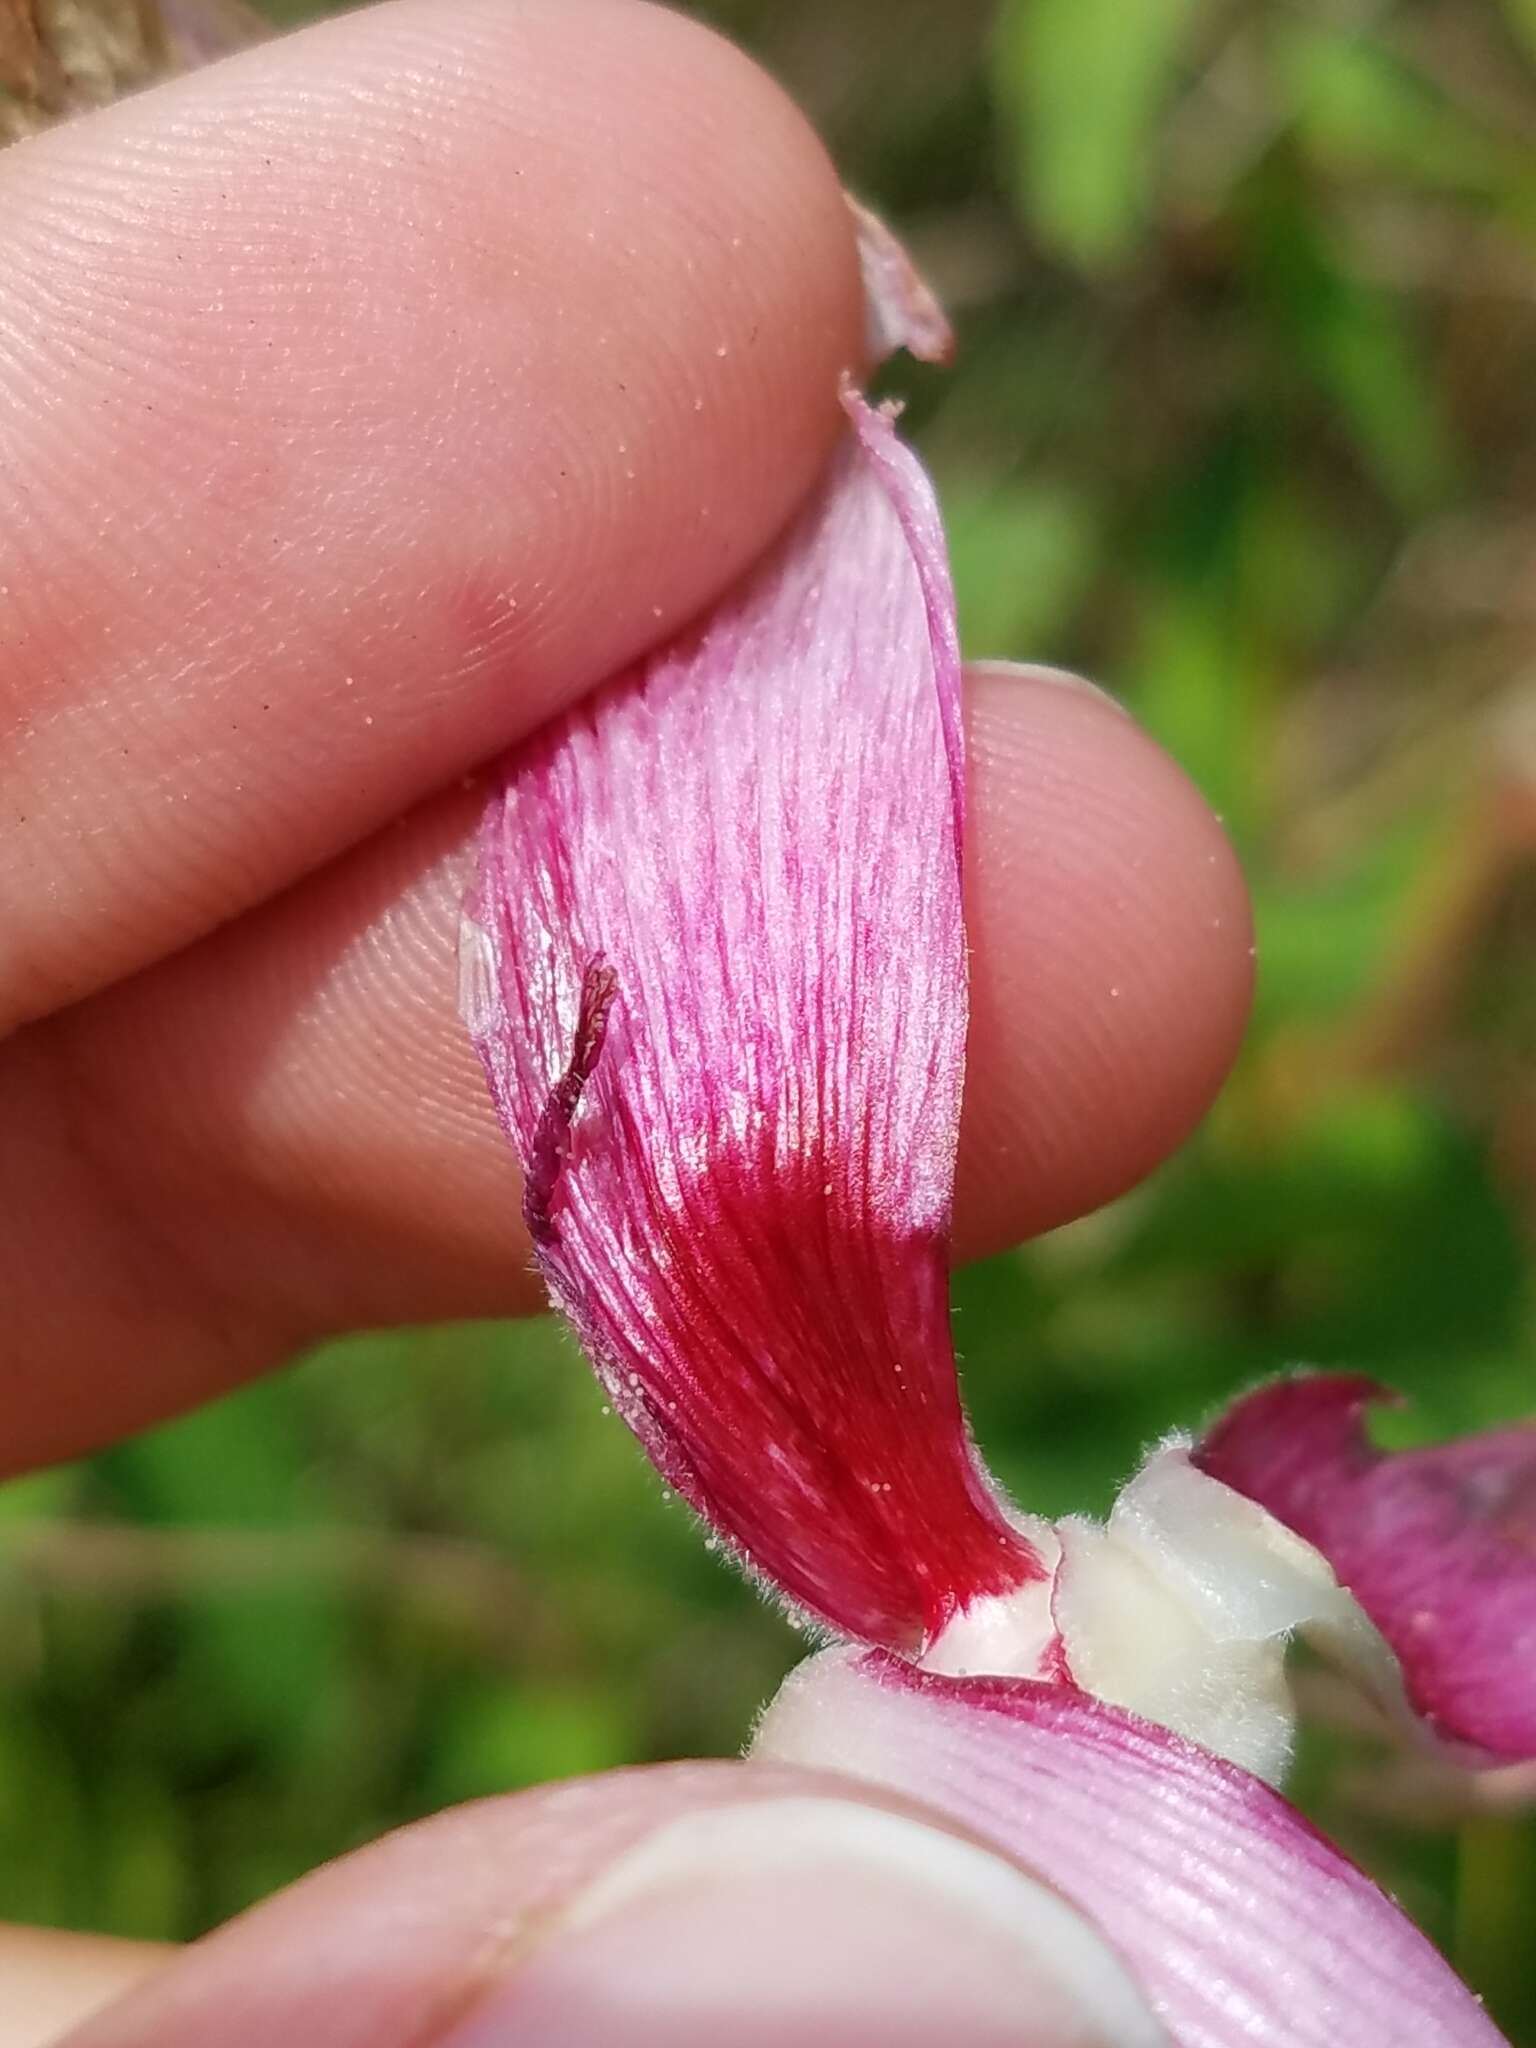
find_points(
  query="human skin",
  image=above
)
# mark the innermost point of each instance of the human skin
(363, 399)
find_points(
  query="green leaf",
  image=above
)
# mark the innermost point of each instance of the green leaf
(1198, 675)
(1358, 106)
(1022, 556)
(1326, 941)
(1354, 340)
(1521, 17)
(500, 1739)
(265, 1654)
(1082, 84)
(38, 1496)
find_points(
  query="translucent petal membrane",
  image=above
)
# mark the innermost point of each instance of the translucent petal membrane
(1242, 1925)
(715, 969)
(1437, 1545)
(902, 311)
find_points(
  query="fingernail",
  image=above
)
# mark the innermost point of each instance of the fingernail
(815, 1921)
(1039, 672)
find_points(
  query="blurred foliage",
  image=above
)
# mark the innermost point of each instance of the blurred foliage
(1247, 295)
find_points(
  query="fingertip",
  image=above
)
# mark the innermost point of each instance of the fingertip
(375, 393)
(300, 1086)
(685, 1904)
(1112, 963)
(54, 1980)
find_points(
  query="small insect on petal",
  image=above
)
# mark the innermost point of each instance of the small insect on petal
(551, 1137)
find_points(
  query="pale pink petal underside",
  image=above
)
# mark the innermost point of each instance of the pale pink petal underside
(1437, 1545)
(1242, 1925)
(715, 969)
(901, 309)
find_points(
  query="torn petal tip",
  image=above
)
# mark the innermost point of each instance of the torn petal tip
(901, 309)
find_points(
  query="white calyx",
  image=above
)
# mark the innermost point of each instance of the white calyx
(1179, 1608)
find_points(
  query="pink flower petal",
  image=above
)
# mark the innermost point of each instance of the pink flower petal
(1437, 1545)
(716, 972)
(902, 311)
(1242, 1925)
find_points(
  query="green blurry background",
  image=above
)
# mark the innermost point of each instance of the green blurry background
(1244, 422)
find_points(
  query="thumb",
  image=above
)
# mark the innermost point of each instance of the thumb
(688, 1905)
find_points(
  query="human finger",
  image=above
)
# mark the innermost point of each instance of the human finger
(363, 398)
(683, 1905)
(283, 1133)
(50, 1981)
